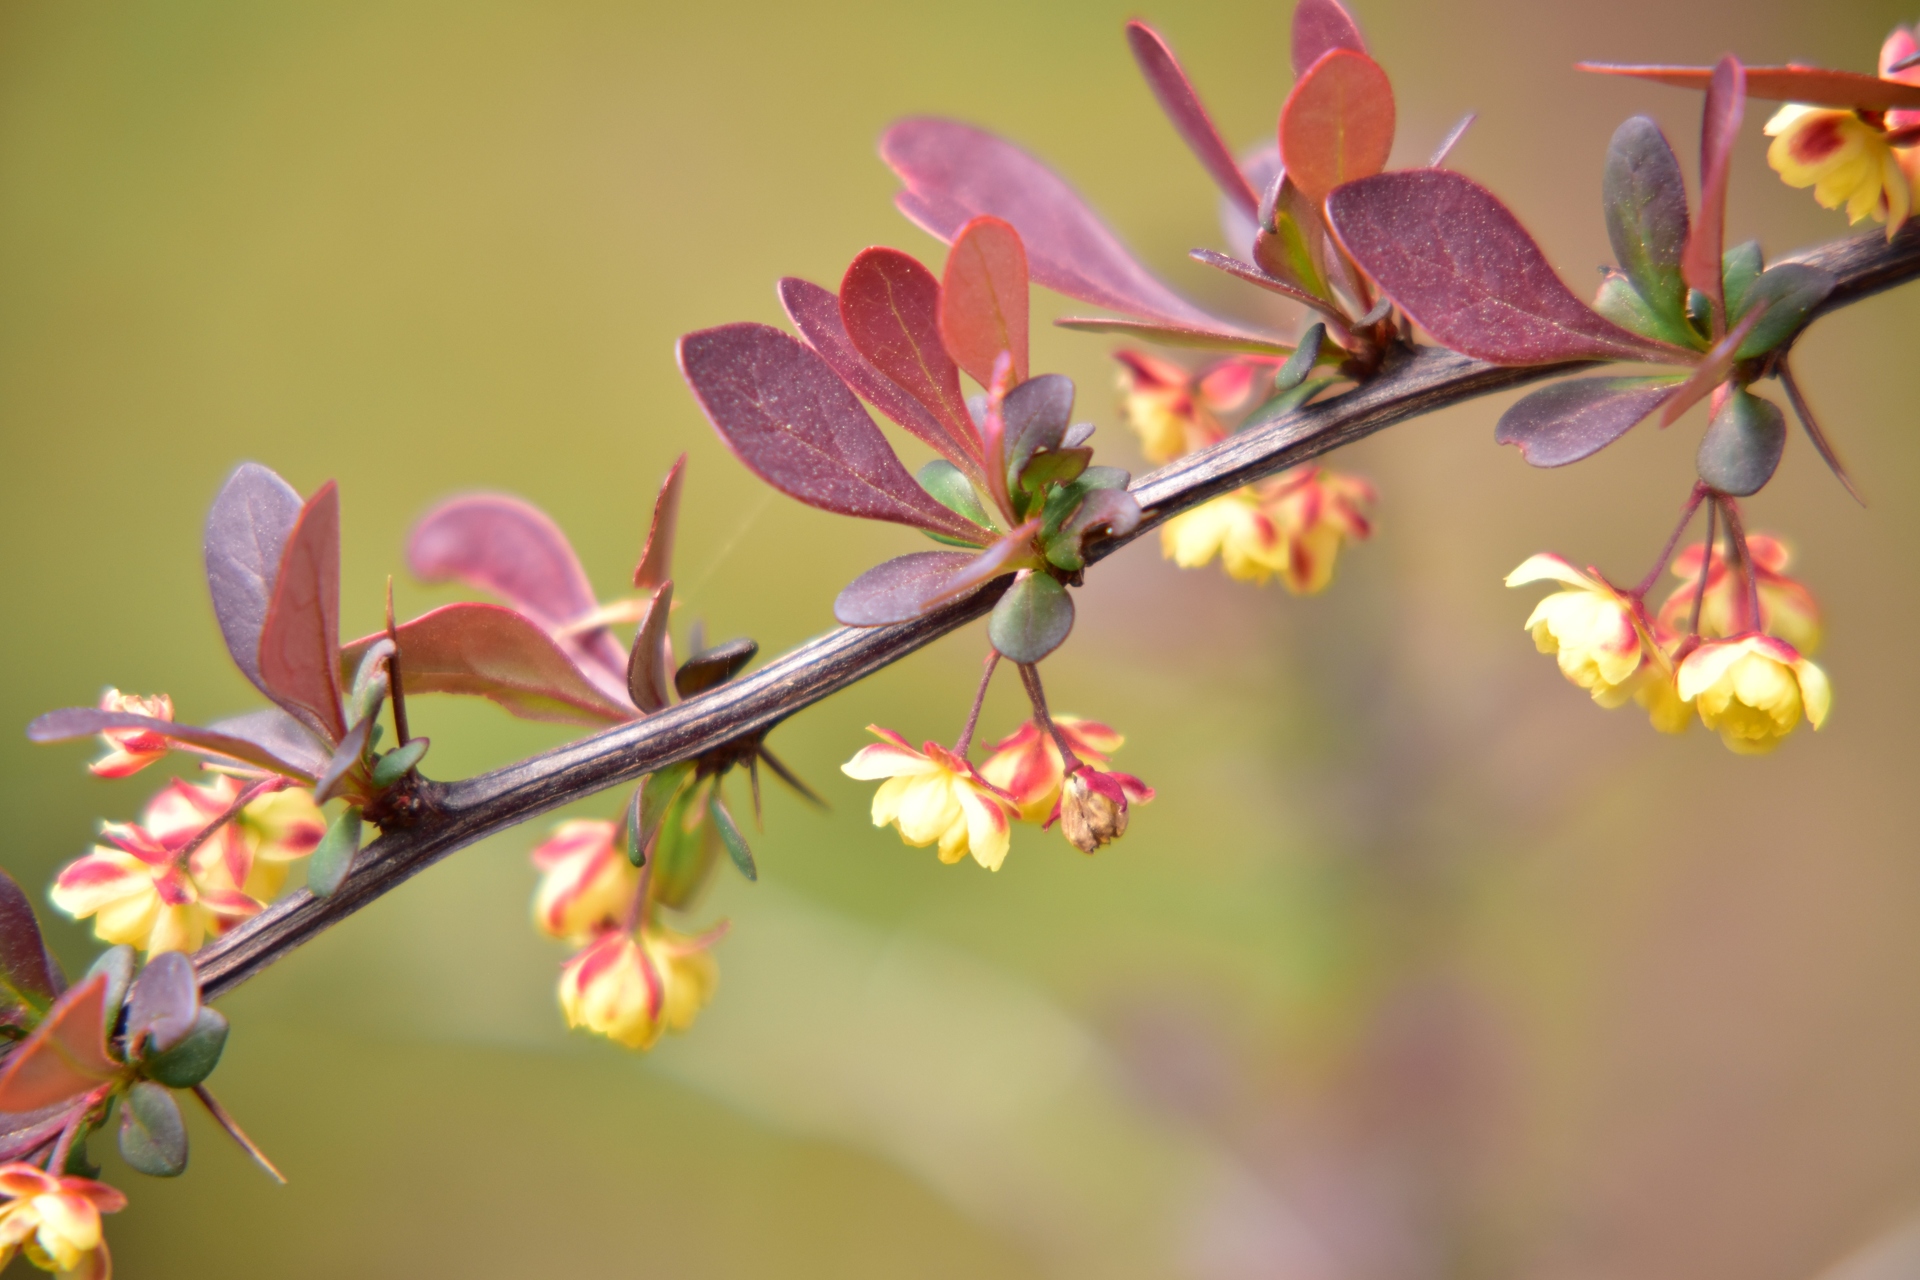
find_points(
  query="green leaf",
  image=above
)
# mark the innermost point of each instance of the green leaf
(1301, 362)
(194, 1057)
(950, 487)
(1645, 198)
(1790, 291)
(332, 858)
(1032, 618)
(370, 682)
(153, 1135)
(1742, 446)
(1285, 252)
(658, 791)
(117, 964)
(1623, 304)
(1740, 267)
(1054, 467)
(397, 763)
(1105, 478)
(685, 851)
(730, 836)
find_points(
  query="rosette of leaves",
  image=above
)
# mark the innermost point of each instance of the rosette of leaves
(1337, 124)
(1460, 263)
(1014, 491)
(112, 1038)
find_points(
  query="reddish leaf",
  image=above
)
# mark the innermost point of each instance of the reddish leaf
(280, 737)
(1320, 27)
(656, 558)
(495, 653)
(162, 1004)
(1460, 263)
(1575, 419)
(1712, 370)
(1182, 105)
(231, 738)
(511, 548)
(898, 589)
(983, 299)
(1173, 335)
(28, 976)
(21, 1135)
(815, 312)
(334, 779)
(1815, 86)
(1337, 124)
(790, 419)
(890, 305)
(66, 1055)
(648, 661)
(245, 538)
(1719, 126)
(1253, 275)
(300, 643)
(954, 173)
(1004, 556)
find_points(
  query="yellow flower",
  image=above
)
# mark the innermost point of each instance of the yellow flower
(1596, 633)
(131, 750)
(281, 828)
(1843, 158)
(1787, 608)
(1233, 527)
(1754, 691)
(1174, 411)
(1290, 528)
(1027, 767)
(932, 795)
(630, 990)
(586, 882)
(57, 1219)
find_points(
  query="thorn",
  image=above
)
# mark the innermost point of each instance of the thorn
(1803, 411)
(1448, 143)
(753, 780)
(234, 1131)
(787, 776)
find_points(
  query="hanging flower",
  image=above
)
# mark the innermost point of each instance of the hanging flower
(1843, 158)
(1754, 691)
(1027, 767)
(1596, 633)
(1317, 511)
(1092, 810)
(57, 1219)
(931, 796)
(1787, 608)
(631, 989)
(131, 750)
(280, 828)
(1174, 411)
(586, 882)
(1233, 527)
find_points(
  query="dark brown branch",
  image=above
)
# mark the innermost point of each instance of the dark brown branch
(457, 814)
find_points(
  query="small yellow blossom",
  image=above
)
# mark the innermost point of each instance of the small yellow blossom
(131, 750)
(1232, 527)
(1843, 158)
(1754, 691)
(1787, 608)
(280, 828)
(1174, 411)
(631, 989)
(586, 882)
(1026, 764)
(931, 796)
(57, 1219)
(1597, 634)
(1290, 528)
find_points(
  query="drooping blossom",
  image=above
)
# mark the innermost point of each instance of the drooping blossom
(586, 882)
(1290, 528)
(56, 1220)
(1753, 691)
(1602, 641)
(131, 750)
(1092, 809)
(1787, 608)
(630, 989)
(1027, 767)
(1844, 158)
(1175, 411)
(932, 796)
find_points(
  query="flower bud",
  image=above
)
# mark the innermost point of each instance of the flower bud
(131, 750)
(1093, 806)
(631, 989)
(585, 881)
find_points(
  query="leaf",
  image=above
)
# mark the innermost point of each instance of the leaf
(1460, 263)
(815, 312)
(1052, 467)
(1719, 126)
(399, 762)
(1742, 445)
(1645, 197)
(336, 778)
(238, 738)
(510, 548)
(1320, 27)
(22, 1134)
(1183, 107)
(300, 640)
(899, 589)
(194, 1057)
(1032, 619)
(1575, 419)
(29, 980)
(1618, 301)
(1337, 124)
(1174, 335)
(730, 836)
(1294, 249)
(795, 424)
(647, 662)
(1712, 370)
(954, 172)
(1036, 414)
(713, 666)
(1114, 509)
(1301, 362)
(983, 299)
(656, 796)
(1256, 275)
(245, 538)
(116, 965)
(153, 1134)
(162, 1005)
(483, 650)
(1815, 86)
(1740, 269)
(332, 859)
(656, 558)
(65, 1056)
(1789, 292)
(952, 490)
(890, 305)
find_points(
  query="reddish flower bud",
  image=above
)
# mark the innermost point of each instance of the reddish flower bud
(1093, 806)
(131, 750)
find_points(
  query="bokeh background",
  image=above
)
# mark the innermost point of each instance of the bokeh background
(1421, 966)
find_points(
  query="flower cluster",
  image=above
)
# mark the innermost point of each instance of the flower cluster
(1866, 158)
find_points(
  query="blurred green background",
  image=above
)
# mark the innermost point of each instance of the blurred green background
(1420, 966)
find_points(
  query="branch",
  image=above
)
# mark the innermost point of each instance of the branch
(459, 813)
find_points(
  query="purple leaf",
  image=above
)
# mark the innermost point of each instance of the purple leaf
(352, 749)
(300, 642)
(890, 304)
(1182, 105)
(65, 1056)
(1337, 124)
(1320, 27)
(815, 312)
(1460, 263)
(230, 738)
(23, 1133)
(648, 661)
(162, 1004)
(1815, 86)
(1002, 557)
(511, 548)
(27, 971)
(280, 737)
(489, 652)
(1719, 126)
(1172, 335)
(1252, 274)
(1712, 369)
(953, 173)
(656, 558)
(983, 299)
(245, 538)
(898, 589)
(790, 419)
(1572, 420)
